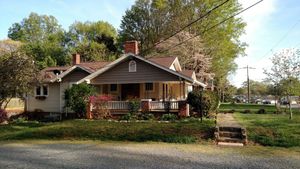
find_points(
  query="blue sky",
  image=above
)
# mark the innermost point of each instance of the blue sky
(266, 24)
(65, 11)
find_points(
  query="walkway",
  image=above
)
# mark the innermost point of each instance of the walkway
(227, 120)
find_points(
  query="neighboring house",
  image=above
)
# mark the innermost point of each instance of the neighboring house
(129, 77)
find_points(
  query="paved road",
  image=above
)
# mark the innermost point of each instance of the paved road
(61, 155)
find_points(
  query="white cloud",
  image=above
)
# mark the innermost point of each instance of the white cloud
(256, 19)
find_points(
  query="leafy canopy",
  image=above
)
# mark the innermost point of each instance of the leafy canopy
(77, 97)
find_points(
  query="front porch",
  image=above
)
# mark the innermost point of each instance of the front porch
(180, 107)
(155, 91)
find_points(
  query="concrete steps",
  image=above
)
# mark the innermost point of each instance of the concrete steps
(225, 135)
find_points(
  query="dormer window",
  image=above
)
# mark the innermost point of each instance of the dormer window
(132, 66)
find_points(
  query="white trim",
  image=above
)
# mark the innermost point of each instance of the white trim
(199, 83)
(132, 66)
(114, 63)
(41, 90)
(177, 61)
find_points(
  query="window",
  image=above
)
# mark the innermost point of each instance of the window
(45, 90)
(113, 87)
(149, 86)
(38, 91)
(42, 90)
(132, 66)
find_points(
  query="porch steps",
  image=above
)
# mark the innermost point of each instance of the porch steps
(230, 136)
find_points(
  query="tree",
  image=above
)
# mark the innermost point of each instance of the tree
(17, 71)
(151, 21)
(8, 45)
(43, 38)
(256, 88)
(203, 102)
(77, 98)
(284, 71)
(94, 41)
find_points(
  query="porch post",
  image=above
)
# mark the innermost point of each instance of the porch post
(183, 109)
(183, 89)
(145, 105)
(89, 111)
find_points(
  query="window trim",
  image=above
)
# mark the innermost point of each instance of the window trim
(41, 90)
(152, 87)
(132, 66)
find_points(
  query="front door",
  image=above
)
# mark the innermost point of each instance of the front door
(130, 91)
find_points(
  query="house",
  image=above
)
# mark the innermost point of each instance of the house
(156, 80)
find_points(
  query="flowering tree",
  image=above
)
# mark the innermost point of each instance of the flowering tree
(285, 68)
(100, 106)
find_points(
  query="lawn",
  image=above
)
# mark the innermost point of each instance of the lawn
(271, 129)
(176, 132)
(241, 107)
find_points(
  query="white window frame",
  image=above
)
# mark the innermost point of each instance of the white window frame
(42, 90)
(152, 87)
(132, 66)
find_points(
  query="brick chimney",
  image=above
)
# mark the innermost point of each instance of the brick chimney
(131, 47)
(76, 59)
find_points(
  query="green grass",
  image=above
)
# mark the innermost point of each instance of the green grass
(176, 132)
(271, 129)
(241, 107)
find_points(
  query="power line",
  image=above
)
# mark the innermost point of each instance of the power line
(188, 25)
(280, 40)
(212, 27)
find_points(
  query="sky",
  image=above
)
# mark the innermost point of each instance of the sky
(271, 25)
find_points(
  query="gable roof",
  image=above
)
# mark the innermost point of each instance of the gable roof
(48, 74)
(127, 56)
(163, 61)
(188, 73)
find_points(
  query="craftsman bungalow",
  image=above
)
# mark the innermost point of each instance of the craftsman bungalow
(155, 80)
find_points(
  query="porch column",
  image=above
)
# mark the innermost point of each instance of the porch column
(183, 109)
(145, 105)
(89, 111)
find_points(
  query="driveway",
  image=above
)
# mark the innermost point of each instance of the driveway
(104, 155)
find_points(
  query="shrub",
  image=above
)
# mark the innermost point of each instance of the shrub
(261, 111)
(203, 102)
(100, 104)
(168, 117)
(133, 106)
(20, 120)
(77, 98)
(3, 115)
(247, 111)
(231, 111)
(146, 116)
(128, 117)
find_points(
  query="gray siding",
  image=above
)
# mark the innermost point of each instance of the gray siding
(75, 75)
(145, 72)
(55, 101)
(50, 104)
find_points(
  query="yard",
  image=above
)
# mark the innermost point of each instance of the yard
(271, 129)
(267, 129)
(177, 132)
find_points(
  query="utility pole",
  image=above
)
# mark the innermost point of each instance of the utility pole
(248, 82)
